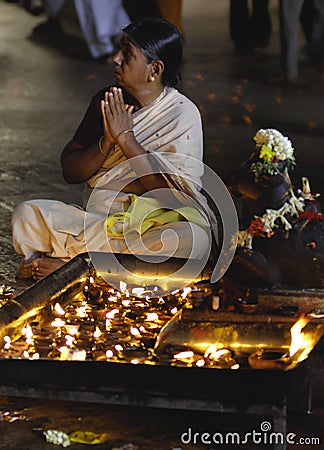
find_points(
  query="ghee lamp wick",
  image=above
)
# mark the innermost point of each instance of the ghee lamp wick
(7, 342)
(86, 292)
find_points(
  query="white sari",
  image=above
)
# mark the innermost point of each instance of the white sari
(170, 130)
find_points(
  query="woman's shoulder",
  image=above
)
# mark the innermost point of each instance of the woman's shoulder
(182, 101)
(183, 106)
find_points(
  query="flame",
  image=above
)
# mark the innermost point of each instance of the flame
(185, 292)
(69, 340)
(235, 366)
(72, 329)
(28, 333)
(81, 312)
(297, 337)
(111, 314)
(152, 316)
(135, 331)
(210, 350)
(7, 342)
(200, 363)
(219, 353)
(97, 333)
(109, 354)
(122, 286)
(184, 355)
(58, 322)
(58, 308)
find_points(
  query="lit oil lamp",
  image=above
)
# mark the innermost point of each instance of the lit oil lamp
(299, 350)
(247, 304)
(135, 354)
(98, 312)
(269, 359)
(72, 354)
(97, 333)
(188, 358)
(43, 344)
(220, 358)
(95, 295)
(58, 310)
(7, 341)
(71, 329)
(58, 323)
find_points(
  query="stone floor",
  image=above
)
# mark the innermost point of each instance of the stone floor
(44, 90)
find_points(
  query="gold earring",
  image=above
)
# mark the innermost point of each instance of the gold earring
(152, 78)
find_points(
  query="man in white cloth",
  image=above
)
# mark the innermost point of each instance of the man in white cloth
(100, 22)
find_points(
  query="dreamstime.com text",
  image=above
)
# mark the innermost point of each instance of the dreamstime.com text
(263, 436)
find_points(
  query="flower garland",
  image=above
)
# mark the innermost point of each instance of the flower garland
(264, 226)
(274, 148)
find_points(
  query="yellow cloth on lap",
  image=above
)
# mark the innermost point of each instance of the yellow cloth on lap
(145, 213)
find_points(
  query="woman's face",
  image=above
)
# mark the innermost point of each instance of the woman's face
(131, 69)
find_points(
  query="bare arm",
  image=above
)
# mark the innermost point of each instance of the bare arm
(79, 163)
(81, 159)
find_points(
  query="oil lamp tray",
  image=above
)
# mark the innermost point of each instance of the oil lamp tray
(156, 382)
(304, 300)
(150, 385)
(204, 331)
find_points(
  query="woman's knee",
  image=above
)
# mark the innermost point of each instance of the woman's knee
(22, 210)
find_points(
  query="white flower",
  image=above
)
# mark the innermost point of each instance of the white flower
(57, 437)
(273, 139)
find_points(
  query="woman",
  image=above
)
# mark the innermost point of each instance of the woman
(137, 139)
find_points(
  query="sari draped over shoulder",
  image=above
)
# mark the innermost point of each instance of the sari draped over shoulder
(170, 126)
(170, 130)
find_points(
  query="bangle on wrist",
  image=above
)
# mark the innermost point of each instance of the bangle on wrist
(100, 145)
(123, 132)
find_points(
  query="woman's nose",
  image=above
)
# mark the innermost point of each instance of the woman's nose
(117, 57)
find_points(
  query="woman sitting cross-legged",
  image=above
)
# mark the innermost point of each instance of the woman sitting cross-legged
(139, 150)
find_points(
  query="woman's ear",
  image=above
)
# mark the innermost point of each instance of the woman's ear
(157, 69)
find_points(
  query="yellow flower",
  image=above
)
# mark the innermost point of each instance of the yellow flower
(266, 153)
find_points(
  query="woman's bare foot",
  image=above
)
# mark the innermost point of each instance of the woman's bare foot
(41, 267)
(25, 266)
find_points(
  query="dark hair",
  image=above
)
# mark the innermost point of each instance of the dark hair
(158, 39)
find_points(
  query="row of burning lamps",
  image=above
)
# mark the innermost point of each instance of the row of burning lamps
(124, 328)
